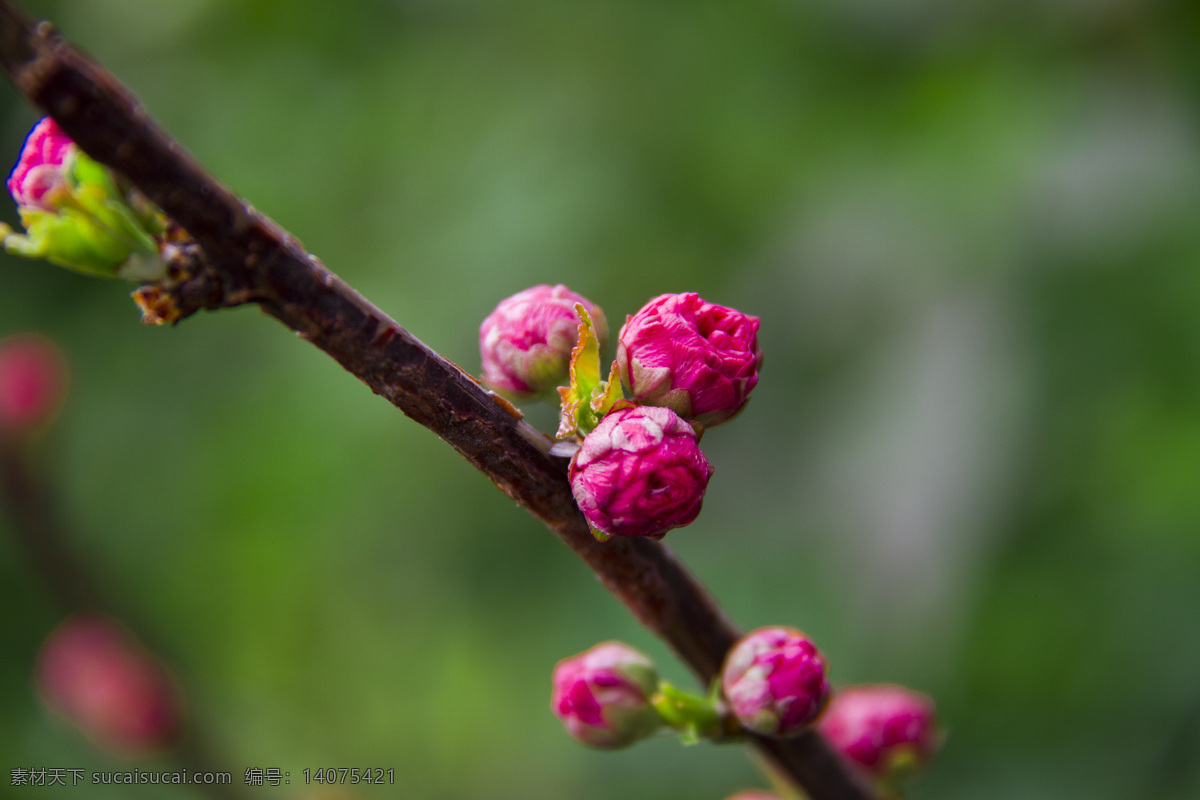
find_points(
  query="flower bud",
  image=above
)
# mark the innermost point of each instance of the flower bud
(93, 671)
(640, 472)
(699, 359)
(33, 382)
(888, 730)
(75, 215)
(774, 680)
(39, 179)
(526, 342)
(603, 696)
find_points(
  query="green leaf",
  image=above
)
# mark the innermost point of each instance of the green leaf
(587, 399)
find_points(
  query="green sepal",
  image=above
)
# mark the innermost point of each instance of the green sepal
(96, 193)
(599, 535)
(693, 717)
(587, 399)
(132, 213)
(71, 238)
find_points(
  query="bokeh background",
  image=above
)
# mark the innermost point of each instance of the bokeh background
(972, 465)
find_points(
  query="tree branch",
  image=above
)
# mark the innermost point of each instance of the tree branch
(250, 259)
(37, 531)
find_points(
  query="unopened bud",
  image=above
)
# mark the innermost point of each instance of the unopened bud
(33, 382)
(640, 472)
(697, 358)
(888, 730)
(603, 696)
(74, 213)
(526, 342)
(95, 673)
(775, 681)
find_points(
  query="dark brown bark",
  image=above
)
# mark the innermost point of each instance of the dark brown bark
(251, 259)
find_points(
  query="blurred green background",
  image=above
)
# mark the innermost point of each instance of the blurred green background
(972, 464)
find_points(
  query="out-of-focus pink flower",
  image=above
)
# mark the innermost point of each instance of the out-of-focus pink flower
(775, 681)
(753, 794)
(603, 696)
(885, 729)
(526, 342)
(93, 671)
(640, 472)
(33, 381)
(42, 168)
(699, 359)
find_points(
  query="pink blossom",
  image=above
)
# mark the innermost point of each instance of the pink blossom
(775, 681)
(640, 472)
(882, 728)
(699, 359)
(94, 672)
(42, 167)
(603, 695)
(33, 381)
(526, 342)
(753, 794)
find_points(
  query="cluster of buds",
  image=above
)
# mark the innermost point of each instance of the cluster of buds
(686, 364)
(682, 365)
(774, 682)
(95, 673)
(78, 214)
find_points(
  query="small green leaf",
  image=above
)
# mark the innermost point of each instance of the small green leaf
(587, 399)
(606, 396)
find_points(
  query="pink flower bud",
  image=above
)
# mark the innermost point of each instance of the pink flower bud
(41, 169)
(33, 381)
(526, 342)
(699, 359)
(886, 729)
(93, 671)
(640, 472)
(603, 696)
(774, 680)
(76, 215)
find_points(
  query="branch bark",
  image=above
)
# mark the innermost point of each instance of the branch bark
(250, 259)
(37, 530)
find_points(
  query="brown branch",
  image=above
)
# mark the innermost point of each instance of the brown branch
(37, 531)
(254, 260)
